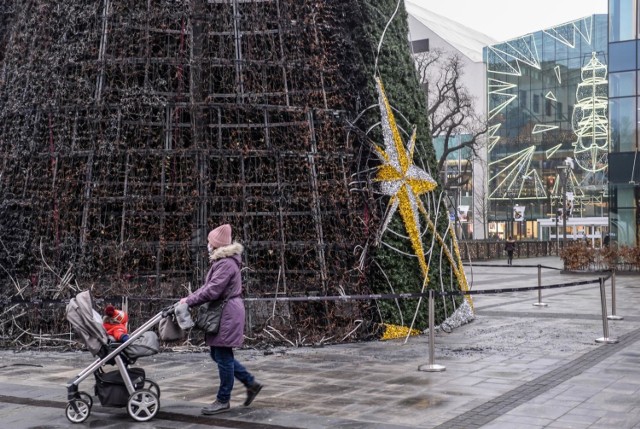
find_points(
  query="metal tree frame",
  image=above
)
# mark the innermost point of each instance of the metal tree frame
(129, 129)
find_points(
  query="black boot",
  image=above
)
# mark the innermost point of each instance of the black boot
(252, 392)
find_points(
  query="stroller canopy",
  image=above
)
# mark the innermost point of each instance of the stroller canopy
(86, 322)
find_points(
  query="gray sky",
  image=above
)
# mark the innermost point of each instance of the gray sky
(506, 19)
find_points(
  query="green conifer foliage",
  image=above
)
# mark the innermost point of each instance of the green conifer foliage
(391, 270)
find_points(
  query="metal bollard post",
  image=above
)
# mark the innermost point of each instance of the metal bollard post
(605, 323)
(431, 367)
(613, 298)
(540, 303)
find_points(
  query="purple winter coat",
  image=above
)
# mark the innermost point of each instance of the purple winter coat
(223, 279)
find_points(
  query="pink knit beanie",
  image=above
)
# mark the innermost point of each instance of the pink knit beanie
(221, 236)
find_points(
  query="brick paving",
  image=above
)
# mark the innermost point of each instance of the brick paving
(515, 366)
(499, 406)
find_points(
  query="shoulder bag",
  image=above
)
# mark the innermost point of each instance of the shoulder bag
(209, 313)
(208, 317)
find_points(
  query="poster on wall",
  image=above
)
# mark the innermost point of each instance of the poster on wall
(463, 213)
(518, 213)
(570, 201)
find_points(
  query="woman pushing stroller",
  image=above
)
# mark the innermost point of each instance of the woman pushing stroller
(224, 281)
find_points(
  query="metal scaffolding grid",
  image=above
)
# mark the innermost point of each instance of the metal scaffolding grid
(129, 129)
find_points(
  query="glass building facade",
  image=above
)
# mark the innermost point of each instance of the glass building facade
(624, 175)
(457, 174)
(548, 139)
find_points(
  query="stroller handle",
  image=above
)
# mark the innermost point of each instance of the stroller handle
(168, 311)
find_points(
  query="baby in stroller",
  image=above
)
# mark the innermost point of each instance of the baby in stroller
(126, 387)
(115, 323)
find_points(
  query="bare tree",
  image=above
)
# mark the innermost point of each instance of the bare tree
(451, 111)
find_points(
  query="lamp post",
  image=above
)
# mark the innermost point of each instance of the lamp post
(563, 182)
(510, 217)
(563, 171)
(550, 181)
(506, 221)
(510, 220)
(532, 219)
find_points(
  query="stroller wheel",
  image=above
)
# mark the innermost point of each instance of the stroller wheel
(78, 411)
(153, 386)
(86, 398)
(143, 405)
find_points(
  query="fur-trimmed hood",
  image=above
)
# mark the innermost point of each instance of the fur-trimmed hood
(234, 248)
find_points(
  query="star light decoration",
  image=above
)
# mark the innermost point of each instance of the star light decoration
(400, 178)
(404, 183)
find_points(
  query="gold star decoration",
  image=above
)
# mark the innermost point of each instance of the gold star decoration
(404, 183)
(400, 178)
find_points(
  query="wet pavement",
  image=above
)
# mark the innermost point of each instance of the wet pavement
(515, 366)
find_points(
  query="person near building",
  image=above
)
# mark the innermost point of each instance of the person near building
(510, 247)
(115, 323)
(224, 281)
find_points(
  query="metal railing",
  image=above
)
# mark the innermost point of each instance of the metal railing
(483, 250)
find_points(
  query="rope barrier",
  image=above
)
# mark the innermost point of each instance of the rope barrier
(520, 289)
(430, 294)
(349, 297)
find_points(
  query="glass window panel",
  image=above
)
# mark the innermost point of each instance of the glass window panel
(548, 48)
(562, 50)
(575, 63)
(622, 56)
(579, 45)
(559, 111)
(600, 37)
(622, 19)
(622, 215)
(622, 84)
(548, 107)
(523, 99)
(622, 125)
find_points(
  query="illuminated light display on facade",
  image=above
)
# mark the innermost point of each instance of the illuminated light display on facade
(547, 102)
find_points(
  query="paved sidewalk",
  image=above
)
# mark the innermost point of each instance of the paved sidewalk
(516, 366)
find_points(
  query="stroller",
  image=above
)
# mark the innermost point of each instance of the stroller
(126, 387)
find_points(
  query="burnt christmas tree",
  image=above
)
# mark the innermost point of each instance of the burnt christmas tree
(129, 129)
